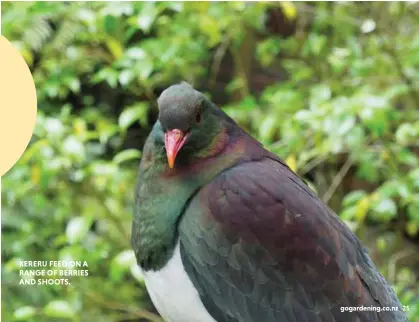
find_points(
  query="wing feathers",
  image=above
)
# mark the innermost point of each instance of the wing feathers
(274, 252)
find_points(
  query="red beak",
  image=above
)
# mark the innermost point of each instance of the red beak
(173, 140)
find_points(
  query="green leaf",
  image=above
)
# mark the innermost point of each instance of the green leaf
(103, 169)
(268, 128)
(412, 228)
(414, 177)
(389, 189)
(125, 259)
(267, 50)
(147, 16)
(115, 47)
(385, 208)
(74, 85)
(348, 214)
(406, 133)
(72, 146)
(353, 197)
(362, 207)
(316, 43)
(132, 114)
(77, 228)
(291, 161)
(382, 244)
(248, 103)
(59, 309)
(413, 211)
(320, 93)
(211, 28)
(289, 9)
(126, 77)
(122, 263)
(136, 53)
(106, 74)
(110, 23)
(24, 313)
(143, 69)
(126, 155)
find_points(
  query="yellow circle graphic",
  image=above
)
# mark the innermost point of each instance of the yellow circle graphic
(17, 105)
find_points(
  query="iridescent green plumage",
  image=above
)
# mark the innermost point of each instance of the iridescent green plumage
(162, 193)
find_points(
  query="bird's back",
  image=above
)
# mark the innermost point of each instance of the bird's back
(258, 245)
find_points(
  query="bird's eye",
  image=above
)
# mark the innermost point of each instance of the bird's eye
(198, 117)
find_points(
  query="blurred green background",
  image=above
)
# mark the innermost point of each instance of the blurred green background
(333, 88)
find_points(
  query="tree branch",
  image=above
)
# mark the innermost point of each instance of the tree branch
(218, 57)
(337, 180)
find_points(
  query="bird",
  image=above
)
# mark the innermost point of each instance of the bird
(225, 231)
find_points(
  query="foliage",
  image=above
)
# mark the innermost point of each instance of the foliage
(345, 117)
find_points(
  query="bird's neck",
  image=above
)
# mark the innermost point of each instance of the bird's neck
(159, 202)
(162, 195)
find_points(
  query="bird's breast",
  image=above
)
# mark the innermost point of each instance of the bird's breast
(173, 294)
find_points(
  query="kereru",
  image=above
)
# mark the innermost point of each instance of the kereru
(225, 231)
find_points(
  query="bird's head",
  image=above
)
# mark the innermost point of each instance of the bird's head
(188, 120)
